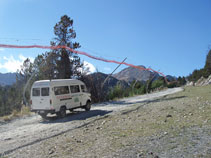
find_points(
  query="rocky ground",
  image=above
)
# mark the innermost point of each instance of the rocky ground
(177, 125)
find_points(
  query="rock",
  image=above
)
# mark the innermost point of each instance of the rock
(151, 153)
(103, 122)
(7, 139)
(190, 114)
(190, 83)
(98, 127)
(205, 121)
(51, 152)
(79, 141)
(203, 81)
(165, 133)
(169, 115)
(141, 154)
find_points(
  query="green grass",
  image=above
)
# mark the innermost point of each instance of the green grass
(203, 92)
(189, 108)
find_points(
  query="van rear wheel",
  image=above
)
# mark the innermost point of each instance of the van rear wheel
(62, 112)
(44, 116)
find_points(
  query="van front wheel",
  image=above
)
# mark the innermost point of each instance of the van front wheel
(62, 112)
(88, 106)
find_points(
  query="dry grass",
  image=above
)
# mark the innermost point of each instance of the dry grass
(168, 115)
(25, 111)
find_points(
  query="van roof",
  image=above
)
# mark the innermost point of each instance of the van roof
(58, 80)
(47, 82)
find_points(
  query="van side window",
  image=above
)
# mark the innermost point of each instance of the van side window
(36, 92)
(61, 90)
(83, 88)
(74, 89)
(45, 91)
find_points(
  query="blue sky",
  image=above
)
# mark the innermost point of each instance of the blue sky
(172, 36)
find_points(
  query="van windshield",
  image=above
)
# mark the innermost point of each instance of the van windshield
(45, 91)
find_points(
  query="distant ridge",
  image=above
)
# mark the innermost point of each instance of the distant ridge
(130, 74)
(7, 78)
(98, 78)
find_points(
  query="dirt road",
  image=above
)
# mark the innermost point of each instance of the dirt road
(27, 131)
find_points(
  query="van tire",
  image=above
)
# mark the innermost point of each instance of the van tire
(87, 107)
(71, 110)
(44, 116)
(62, 112)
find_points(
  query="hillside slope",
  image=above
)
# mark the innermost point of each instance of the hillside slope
(176, 125)
(98, 90)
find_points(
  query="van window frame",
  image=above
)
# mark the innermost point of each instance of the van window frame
(84, 90)
(73, 90)
(42, 91)
(33, 92)
(67, 90)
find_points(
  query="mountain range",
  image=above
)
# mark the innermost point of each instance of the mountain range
(130, 74)
(127, 75)
(7, 78)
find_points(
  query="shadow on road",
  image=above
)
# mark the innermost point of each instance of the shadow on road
(152, 101)
(75, 115)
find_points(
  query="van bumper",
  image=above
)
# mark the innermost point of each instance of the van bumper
(43, 111)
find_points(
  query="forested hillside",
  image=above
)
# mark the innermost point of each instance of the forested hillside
(205, 71)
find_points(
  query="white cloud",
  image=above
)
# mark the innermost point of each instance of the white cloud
(22, 58)
(11, 64)
(89, 66)
(1, 49)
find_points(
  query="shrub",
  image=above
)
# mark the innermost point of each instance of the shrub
(157, 84)
(116, 92)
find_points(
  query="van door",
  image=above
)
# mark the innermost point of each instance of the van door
(83, 94)
(63, 97)
(45, 97)
(40, 98)
(75, 92)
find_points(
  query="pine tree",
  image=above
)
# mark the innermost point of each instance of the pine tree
(207, 67)
(67, 64)
(60, 63)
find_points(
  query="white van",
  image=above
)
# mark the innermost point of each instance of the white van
(57, 96)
